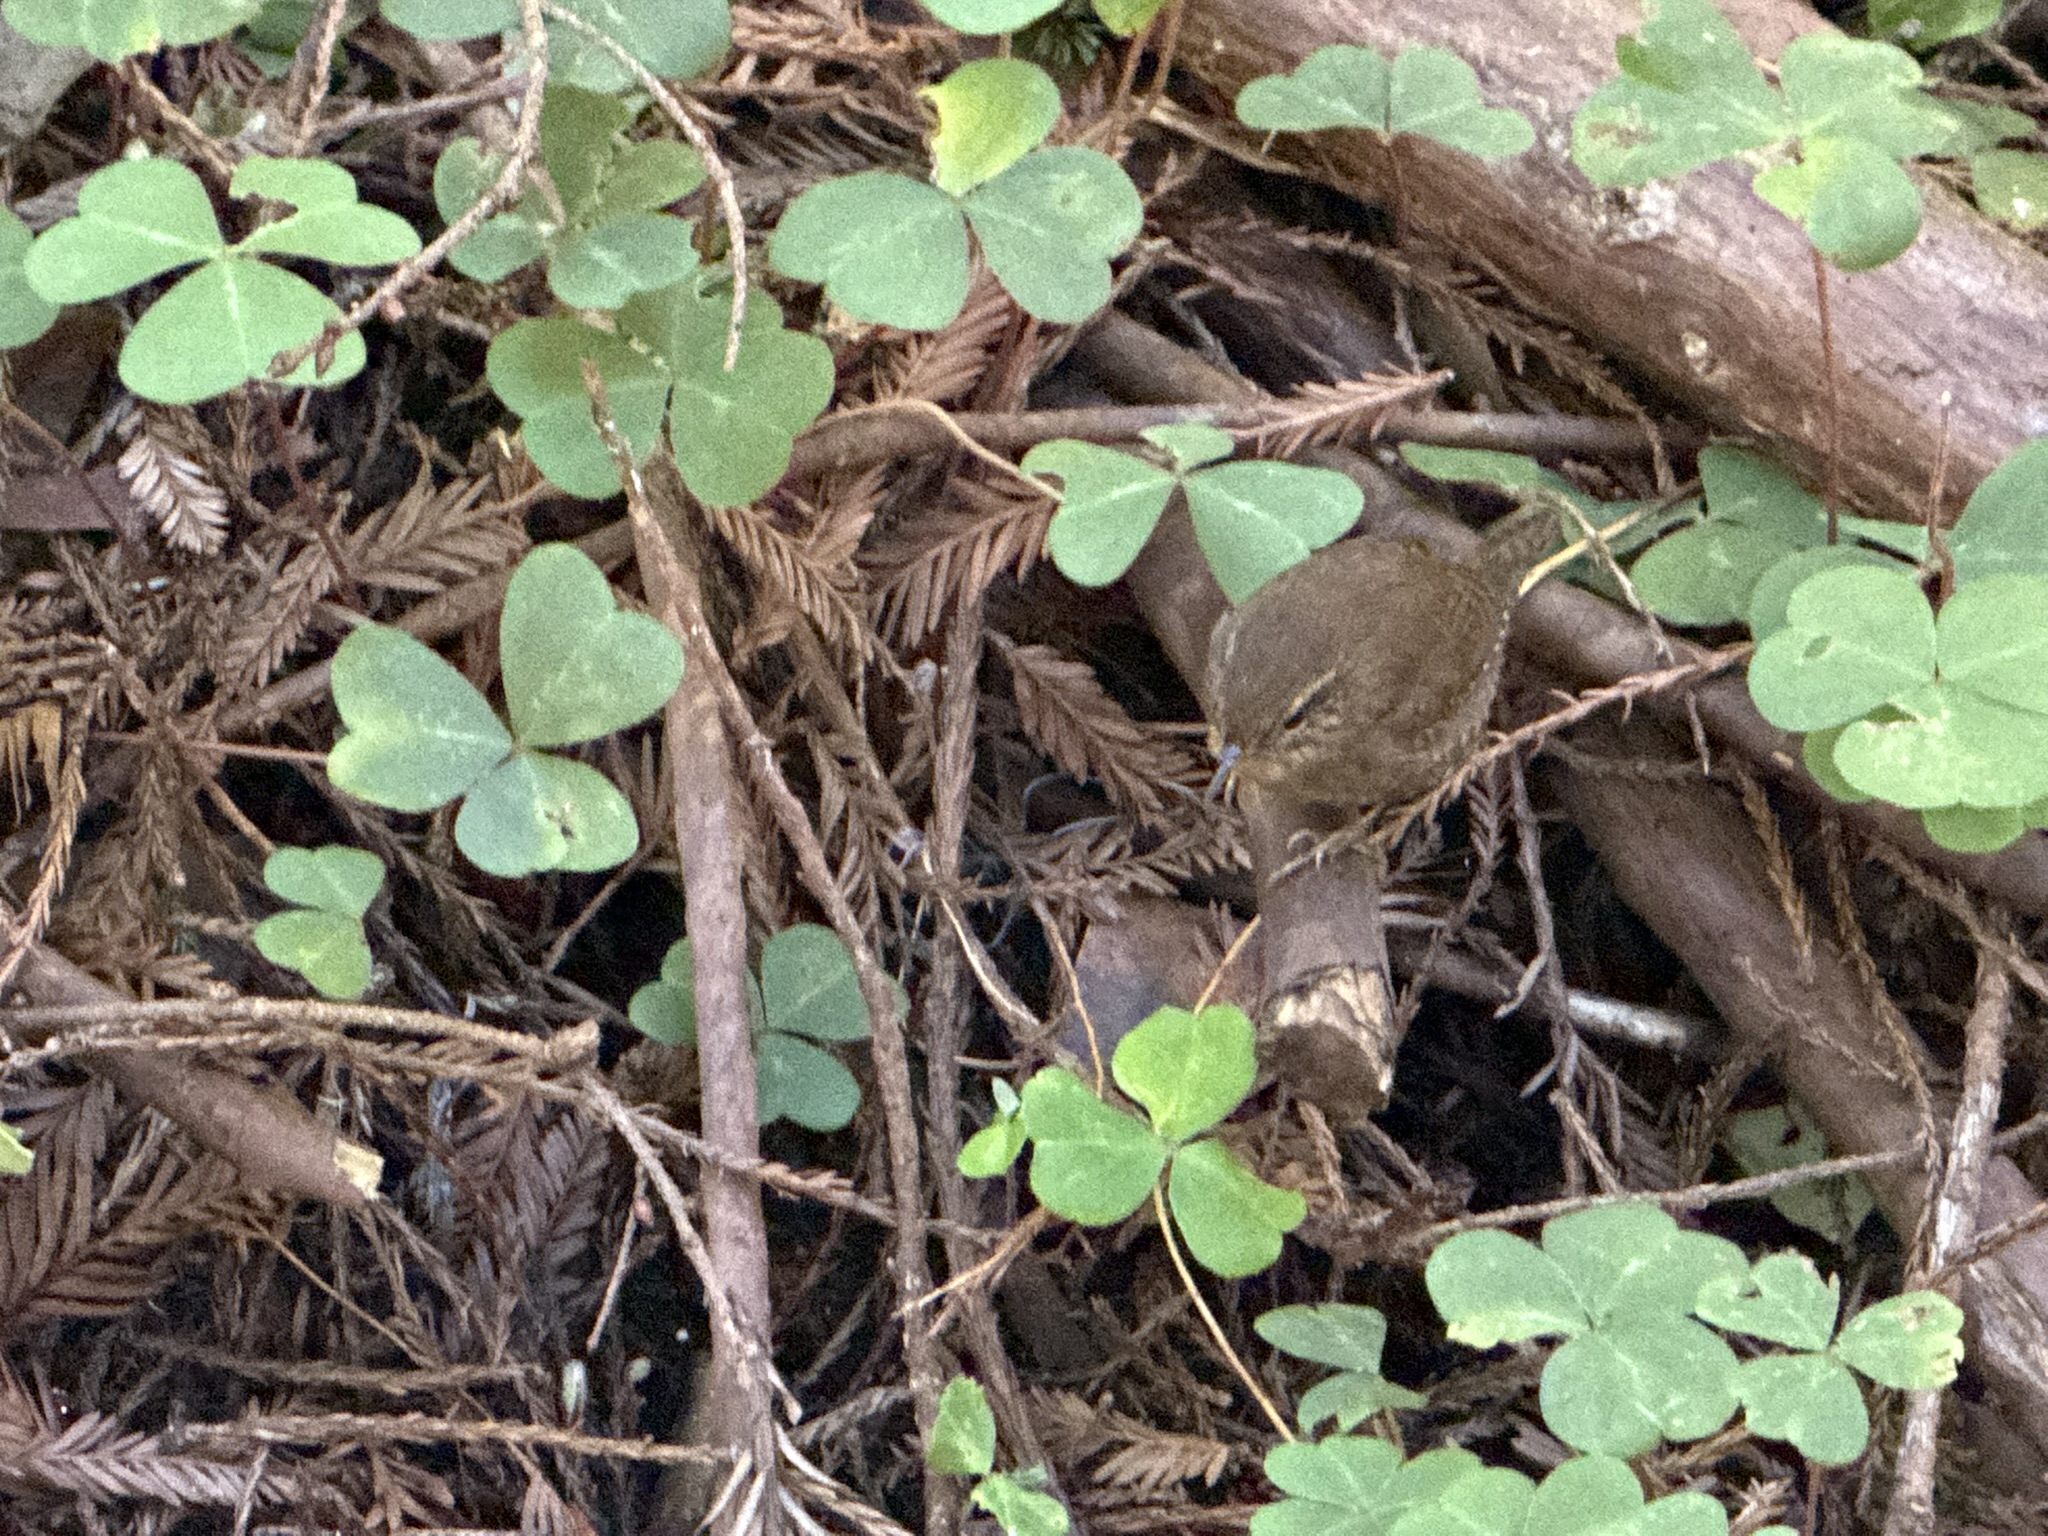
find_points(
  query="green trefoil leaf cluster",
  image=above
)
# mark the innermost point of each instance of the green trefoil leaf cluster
(1632, 1294)
(418, 734)
(892, 250)
(222, 324)
(321, 934)
(1253, 519)
(1427, 92)
(1828, 137)
(808, 997)
(1094, 1163)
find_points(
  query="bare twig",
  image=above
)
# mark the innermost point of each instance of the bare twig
(1911, 1512)
(705, 798)
(511, 178)
(714, 167)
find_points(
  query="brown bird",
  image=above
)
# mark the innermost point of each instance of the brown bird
(1364, 675)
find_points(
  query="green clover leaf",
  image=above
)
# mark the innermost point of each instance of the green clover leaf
(111, 30)
(986, 18)
(1109, 504)
(1707, 573)
(537, 812)
(1908, 1343)
(1634, 1258)
(887, 249)
(1689, 94)
(417, 732)
(2011, 186)
(247, 312)
(962, 1440)
(1781, 1136)
(1619, 1388)
(1941, 745)
(1807, 1399)
(1426, 91)
(225, 323)
(794, 1080)
(14, 1157)
(331, 879)
(1601, 1494)
(675, 39)
(1049, 226)
(1354, 1484)
(1494, 1288)
(1782, 1298)
(1857, 206)
(1434, 94)
(1127, 17)
(1018, 1510)
(604, 266)
(608, 241)
(1090, 1163)
(1190, 444)
(990, 1151)
(1339, 85)
(1189, 1070)
(1928, 23)
(327, 223)
(1350, 1338)
(731, 430)
(575, 666)
(1970, 829)
(536, 367)
(992, 112)
(1255, 518)
(136, 219)
(808, 985)
(1850, 88)
(1233, 1220)
(2000, 527)
(893, 251)
(322, 937)
(666, 1009)
(1854, 638)
(24, 313)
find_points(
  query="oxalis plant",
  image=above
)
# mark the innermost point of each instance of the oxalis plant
(962, 1443)
(806, 998)
(1645, 1309)
(1096, 1163)
(893, 249)
(1936, 703)
(418, 734)
(1252, 519)
(1825, 140)
(223, 323)
(1643, 1306)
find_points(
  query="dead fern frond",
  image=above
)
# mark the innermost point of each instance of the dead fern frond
(1068, 716)
(189, 509)
(945, 366)
(433, 537)
(1141, 1459)
(94, 1457)
(952, 555)
(818, 582)
(275, 616)
(1328, 413)
(70, 1249)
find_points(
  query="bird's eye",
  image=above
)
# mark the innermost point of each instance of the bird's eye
(1305, 703)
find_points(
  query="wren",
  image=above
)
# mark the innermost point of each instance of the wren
(1365, 674)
